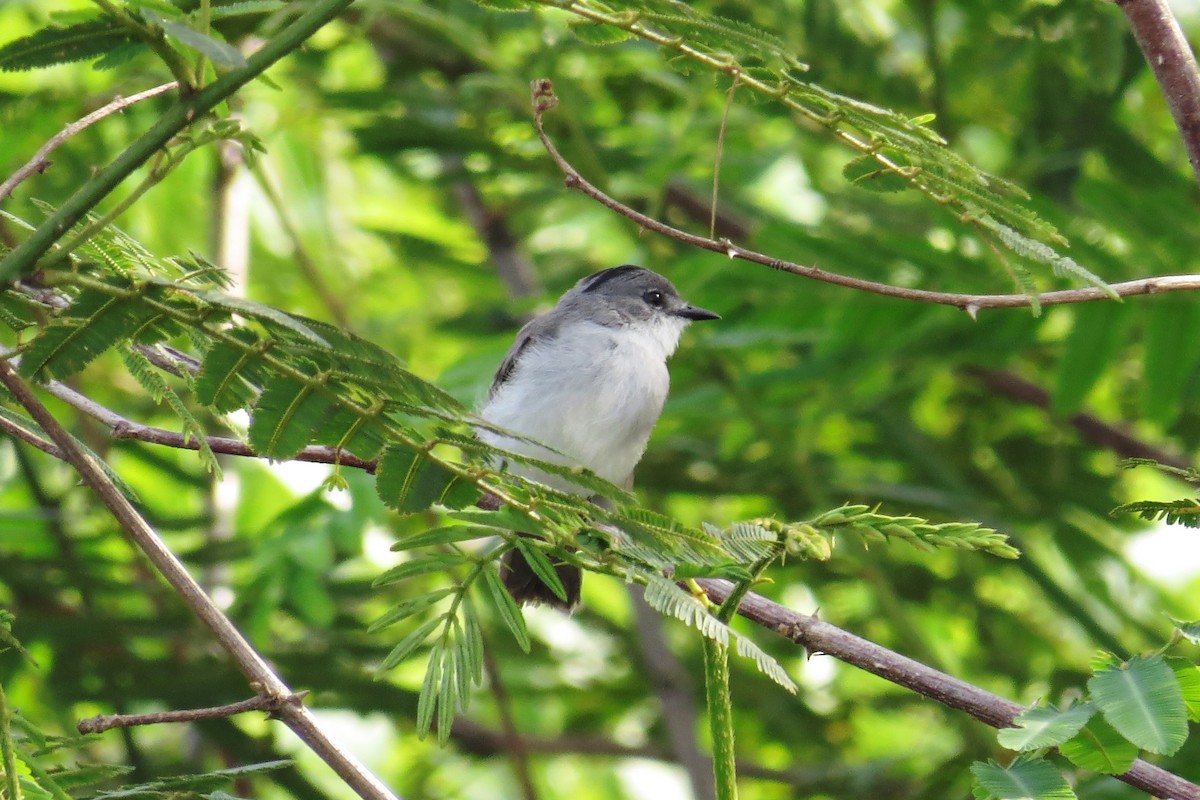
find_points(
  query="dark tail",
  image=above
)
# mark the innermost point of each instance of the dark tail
(526, 587)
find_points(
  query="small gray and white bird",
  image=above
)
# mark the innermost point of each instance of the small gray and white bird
(589, 379)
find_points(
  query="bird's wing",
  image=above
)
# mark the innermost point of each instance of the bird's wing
(540, 329)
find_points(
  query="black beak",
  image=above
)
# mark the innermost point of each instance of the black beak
(691, 312)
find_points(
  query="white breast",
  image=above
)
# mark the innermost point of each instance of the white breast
(591, 392)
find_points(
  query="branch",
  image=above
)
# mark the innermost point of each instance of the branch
(1174, 66)
(28, 437)
(253, 666)
(544, 100)
(817, 636)
(40, 161)
(173, 120)
(124, 428)
(104, 722)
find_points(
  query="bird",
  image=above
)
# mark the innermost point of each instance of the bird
(587, 379)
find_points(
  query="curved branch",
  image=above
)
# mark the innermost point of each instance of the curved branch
(1170, 58)
(817, 636)
(544, 100)
(41, 161)
(260, 675)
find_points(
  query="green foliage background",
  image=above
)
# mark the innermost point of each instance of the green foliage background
(803, 397)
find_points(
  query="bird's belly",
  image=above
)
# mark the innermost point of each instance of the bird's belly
(598, 419)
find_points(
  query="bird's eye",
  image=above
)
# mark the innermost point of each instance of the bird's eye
(654, 298)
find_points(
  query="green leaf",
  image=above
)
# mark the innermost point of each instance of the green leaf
(1184, 511)
(444, 535)
(1188, 630)
(505, 5)
(409, 644)
(1188, 675)
(1024, 779)
(1045, 726)
(1172, 354)
(286, 417)
(667, 536)
(596, 33)
(447, 694)
(94, 323)
(195, 782)
(410, 607)
(231, 372)
(427, 700)
(153, 382)
(867, 173)
(61, 45)
(1100, 748)
(667, 598)
(473, 642)
(540, 563)
(505, 518)
(507, 608)
(222, 54)
(408, 482)
(1142, 700)
(1096, 336)
(435, 562)
(246, 7)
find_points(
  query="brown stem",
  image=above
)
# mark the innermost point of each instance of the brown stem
(123, 428)
(1174, 66)
(818, 636)
(544, 99)
(104, 722)
(40, 161)
(260, 675)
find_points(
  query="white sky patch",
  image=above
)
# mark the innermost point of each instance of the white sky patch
(786, 190)
(302, 477)
(1170, 553)
(652, 780)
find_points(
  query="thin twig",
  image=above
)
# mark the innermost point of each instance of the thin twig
(253, 666)
(716, 180)
(544, 100)
(818, 636)
(1170, 58)
(41, 161)
(123, 428)
(104, 722)
(29, 437)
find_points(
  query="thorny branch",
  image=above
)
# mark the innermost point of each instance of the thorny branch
(813, 634)
(818, 636)
(544, 100)
(260, 675)
(41, 159)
